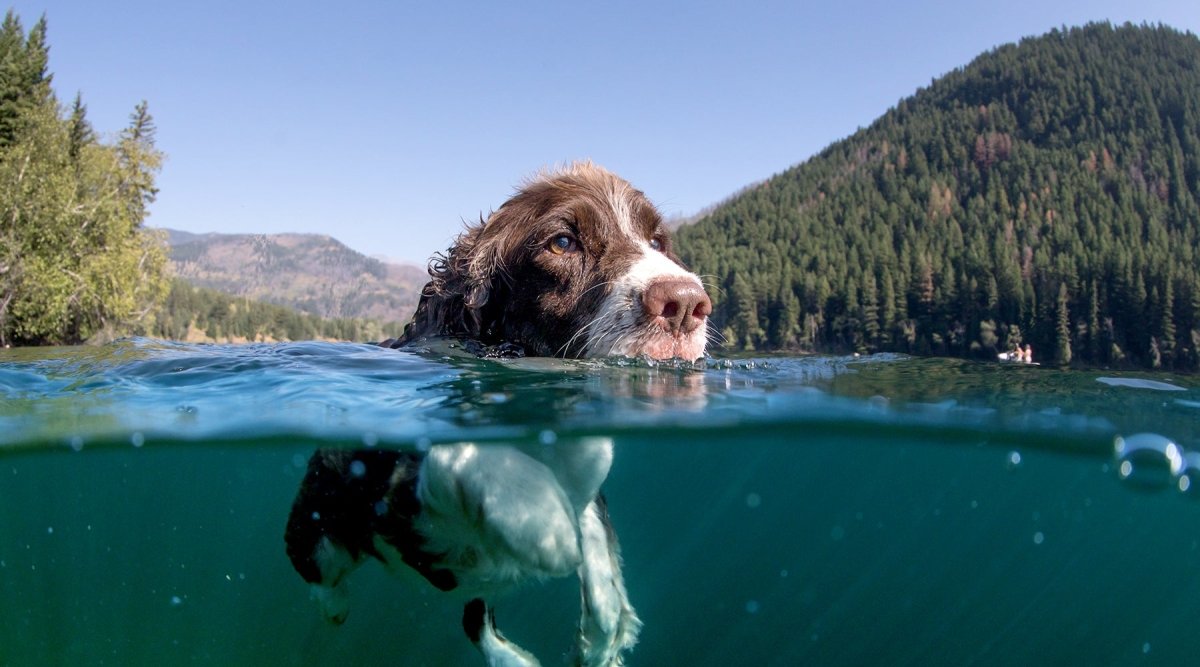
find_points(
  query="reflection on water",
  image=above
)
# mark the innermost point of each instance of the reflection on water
(771, 511)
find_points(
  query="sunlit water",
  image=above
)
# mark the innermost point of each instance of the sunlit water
(780, 511)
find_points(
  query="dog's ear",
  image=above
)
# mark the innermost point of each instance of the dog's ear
(453, 301)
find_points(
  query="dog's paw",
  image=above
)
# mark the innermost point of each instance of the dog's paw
(479, 622)
(334, 602)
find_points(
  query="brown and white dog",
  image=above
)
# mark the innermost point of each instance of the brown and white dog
(577, 264)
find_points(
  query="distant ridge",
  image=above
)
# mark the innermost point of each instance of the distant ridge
(1046, 194)
(313, 273)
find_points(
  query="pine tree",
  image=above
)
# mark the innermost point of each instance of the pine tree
(1167, 325)
(81, 133)
(1062, 349)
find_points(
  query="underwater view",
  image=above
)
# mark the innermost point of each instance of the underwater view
(770, 510)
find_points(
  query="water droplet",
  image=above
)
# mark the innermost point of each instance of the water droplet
(753, 500)
(1038, 537)
(176, 600)
(49, 530)
(1146, 647)
(752, 607)
(547, 437)
(381, 508)
(370, 439)
(316, 516)
(358, 468)
(1013, 460)
(76, 443)
(137, 439)
(783, 574)
(1148, 460)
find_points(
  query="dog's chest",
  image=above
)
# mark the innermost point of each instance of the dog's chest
(495, 515)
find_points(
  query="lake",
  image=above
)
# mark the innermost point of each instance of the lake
(771, 511)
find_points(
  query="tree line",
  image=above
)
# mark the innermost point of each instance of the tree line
(199, 314)
(1045, 194)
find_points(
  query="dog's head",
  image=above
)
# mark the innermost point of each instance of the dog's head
(577, 264)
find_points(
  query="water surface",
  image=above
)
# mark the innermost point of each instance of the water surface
(772, 511)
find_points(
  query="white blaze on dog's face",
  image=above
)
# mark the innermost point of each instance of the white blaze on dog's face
(586, 269)
(657, 307)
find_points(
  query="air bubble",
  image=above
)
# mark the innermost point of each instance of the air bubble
(547, 437)
(370, 439)
(1013, 460)
(358, 468)
(1189, 479)
(423, 444)
(137, 439)
(753, 500)
(1148, 460)
(1039, 537)
(752, 607)
(77, 443)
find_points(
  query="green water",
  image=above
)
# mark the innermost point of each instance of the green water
(781, 511)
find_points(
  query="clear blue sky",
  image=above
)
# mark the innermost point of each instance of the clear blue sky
(387, 124)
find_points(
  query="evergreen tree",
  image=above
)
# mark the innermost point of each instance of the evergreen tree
(1062, 348)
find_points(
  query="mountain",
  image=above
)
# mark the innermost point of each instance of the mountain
(312, 273)
(1044, 194)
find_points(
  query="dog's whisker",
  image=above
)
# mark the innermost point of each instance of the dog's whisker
(578, 333)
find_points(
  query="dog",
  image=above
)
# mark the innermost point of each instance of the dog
(576, 264)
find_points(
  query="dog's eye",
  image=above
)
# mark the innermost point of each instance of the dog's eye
(657, 244)
(563, 244)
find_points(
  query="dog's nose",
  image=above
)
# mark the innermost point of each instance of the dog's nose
(676, 304)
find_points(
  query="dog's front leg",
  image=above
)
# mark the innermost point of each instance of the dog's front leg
(479, 622)
(608, 624)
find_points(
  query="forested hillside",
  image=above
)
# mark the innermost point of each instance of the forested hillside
(1044, 194)
(201, 315)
